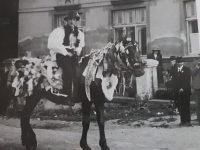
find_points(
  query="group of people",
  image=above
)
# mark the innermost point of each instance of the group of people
(180, 85)
(182, 80)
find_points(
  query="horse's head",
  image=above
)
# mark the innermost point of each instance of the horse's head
(110, 65)
(129, 57)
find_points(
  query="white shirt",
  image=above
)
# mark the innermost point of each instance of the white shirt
(155, 55)
(180, 68)
(55, 42)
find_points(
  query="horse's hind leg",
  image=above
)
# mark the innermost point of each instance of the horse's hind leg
(86, 109)
(28, 136)
(100, 120)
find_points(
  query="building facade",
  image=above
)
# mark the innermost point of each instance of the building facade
(169, 24)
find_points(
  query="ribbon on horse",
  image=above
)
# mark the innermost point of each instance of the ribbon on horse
(96, 57)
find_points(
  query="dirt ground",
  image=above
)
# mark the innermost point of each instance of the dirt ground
(158, 133)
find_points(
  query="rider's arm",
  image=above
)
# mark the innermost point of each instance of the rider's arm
(55, 41)
(81, 44)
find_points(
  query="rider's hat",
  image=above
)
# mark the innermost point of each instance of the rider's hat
(71, 15)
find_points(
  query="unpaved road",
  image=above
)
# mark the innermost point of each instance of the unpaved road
(119, 137)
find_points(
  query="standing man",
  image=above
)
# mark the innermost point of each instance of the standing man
(65, 44)
(182, 79)
(195, 71)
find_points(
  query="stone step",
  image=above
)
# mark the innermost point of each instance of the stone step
(124, 100)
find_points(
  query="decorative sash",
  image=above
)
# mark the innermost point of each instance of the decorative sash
(96, 57)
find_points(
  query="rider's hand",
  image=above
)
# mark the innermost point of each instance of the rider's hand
(70, 52)
(181, 90)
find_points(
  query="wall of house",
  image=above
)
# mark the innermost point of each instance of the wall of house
(97, 32)
(36, 21)
(165, 24)
(166, 27)
(35, 24)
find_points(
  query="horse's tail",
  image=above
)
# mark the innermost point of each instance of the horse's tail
(4, 93)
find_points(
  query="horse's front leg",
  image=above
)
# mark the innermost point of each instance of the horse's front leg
(86, 109)
(28, 136)
(100, 120)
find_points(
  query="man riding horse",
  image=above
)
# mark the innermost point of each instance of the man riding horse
(65, 44)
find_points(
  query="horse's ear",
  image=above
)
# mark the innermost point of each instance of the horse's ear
(124, 34)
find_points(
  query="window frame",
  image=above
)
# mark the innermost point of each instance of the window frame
(188, 20)
(135, 25)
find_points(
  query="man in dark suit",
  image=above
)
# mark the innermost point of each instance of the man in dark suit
(156, 55)
(169, 84)
(182, 87)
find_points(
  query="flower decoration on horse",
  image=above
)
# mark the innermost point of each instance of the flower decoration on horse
(31, 73)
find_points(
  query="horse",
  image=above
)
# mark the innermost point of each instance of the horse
(121, 56)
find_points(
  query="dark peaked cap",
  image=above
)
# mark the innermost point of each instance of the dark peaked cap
(172, 58)
(156, 48)
(179, 59)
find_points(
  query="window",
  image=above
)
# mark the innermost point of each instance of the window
(134, 22)
(192, 27)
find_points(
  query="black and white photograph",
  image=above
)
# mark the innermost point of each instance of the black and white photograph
(99, 74)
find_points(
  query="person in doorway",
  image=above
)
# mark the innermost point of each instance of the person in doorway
(156, 55)
(195, 71)
(182, 87)
(65, 44)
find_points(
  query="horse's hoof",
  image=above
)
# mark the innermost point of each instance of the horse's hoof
(24, 140)
(105, 147)
(33, 148)
(29, 142)
(84, 145)
(28, 147)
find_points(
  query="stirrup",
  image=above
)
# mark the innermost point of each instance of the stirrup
(58, 94)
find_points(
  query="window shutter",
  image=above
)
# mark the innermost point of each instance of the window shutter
(140, 15)
(191, 9)
(118, 17)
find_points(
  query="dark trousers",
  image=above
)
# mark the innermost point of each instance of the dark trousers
(176, 100)
(197, 102)
(68, 65)
(184, 107)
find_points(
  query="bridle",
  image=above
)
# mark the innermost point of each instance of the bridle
(124, 51)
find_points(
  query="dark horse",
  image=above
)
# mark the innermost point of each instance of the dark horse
(124, 55)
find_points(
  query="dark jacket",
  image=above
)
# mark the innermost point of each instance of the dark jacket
(195, 77)
(171, 73)
(160, 68)
(181, 80)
